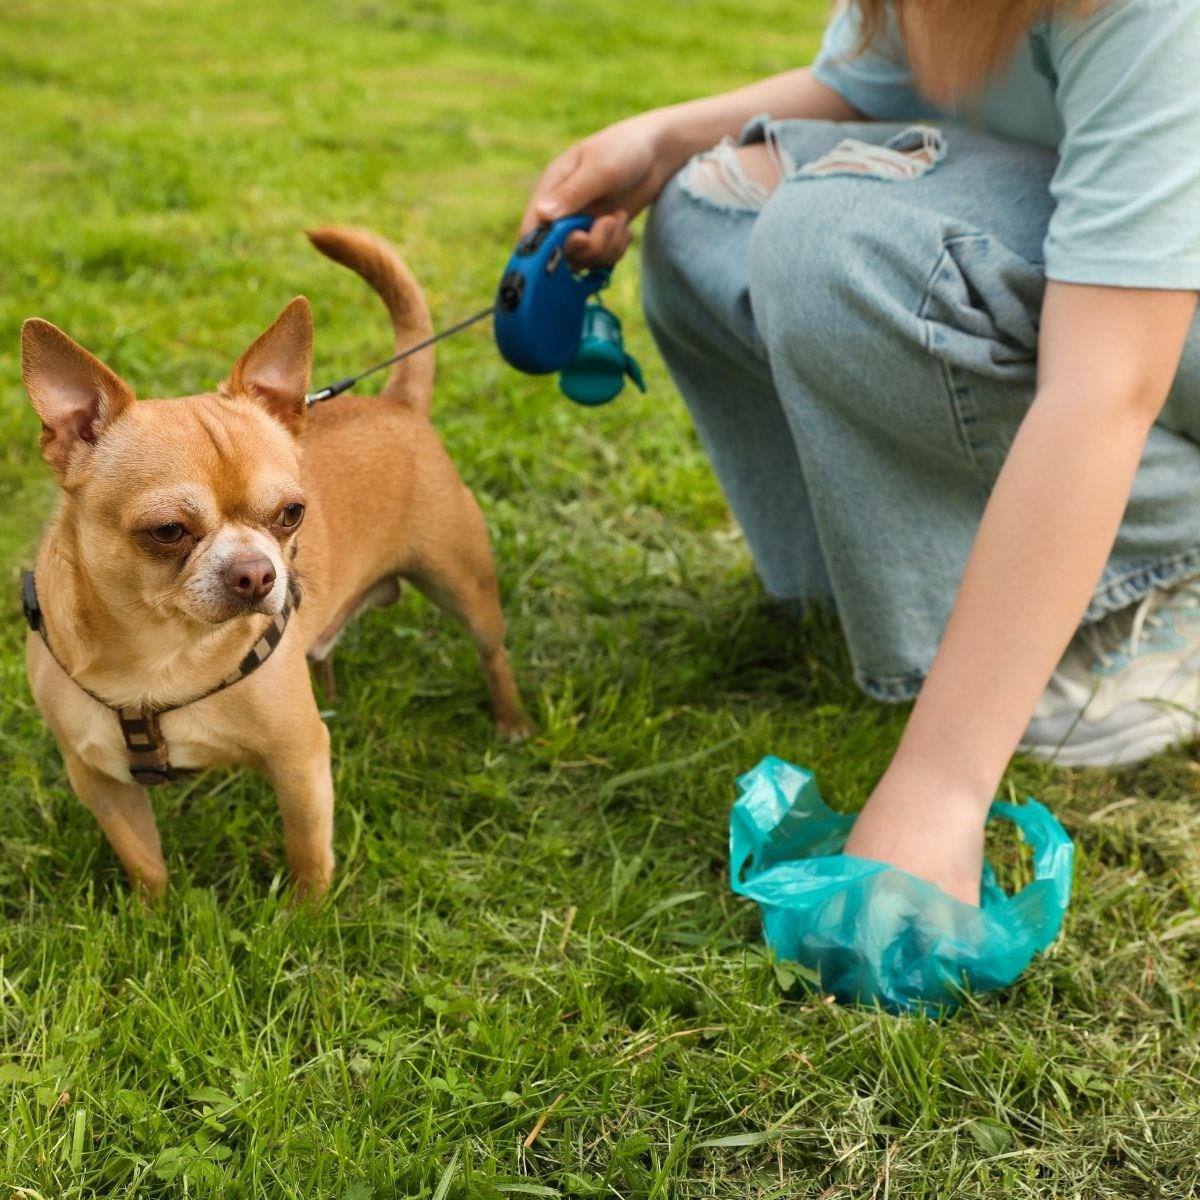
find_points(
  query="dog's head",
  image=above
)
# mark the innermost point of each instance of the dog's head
(186, 506)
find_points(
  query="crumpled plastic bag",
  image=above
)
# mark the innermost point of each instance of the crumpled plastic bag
(872, 933)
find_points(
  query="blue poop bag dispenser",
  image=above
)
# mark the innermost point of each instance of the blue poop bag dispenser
(549, 317)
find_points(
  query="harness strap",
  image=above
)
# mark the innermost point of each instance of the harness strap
(149, 756)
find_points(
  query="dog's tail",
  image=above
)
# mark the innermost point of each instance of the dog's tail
(410, 381)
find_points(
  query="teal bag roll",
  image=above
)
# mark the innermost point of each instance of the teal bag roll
(873, 933)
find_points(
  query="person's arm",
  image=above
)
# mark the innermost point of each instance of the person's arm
(1107, 357)
(618, 171)
(698, 124)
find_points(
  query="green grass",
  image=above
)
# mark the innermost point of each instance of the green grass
(541, 937)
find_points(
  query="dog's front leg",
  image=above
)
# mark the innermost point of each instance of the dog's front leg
(123, 811)
(303, 782)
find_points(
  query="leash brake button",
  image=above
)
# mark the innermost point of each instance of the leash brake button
(512, 288)
(531, 243)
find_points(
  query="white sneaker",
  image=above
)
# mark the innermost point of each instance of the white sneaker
(1127, 688)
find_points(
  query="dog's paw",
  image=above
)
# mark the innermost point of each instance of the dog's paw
(149, 887)
(514, 728)
(311, 875)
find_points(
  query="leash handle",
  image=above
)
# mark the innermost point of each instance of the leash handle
(541, 299)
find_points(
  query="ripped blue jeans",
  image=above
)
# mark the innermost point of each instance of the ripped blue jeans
(857, 349)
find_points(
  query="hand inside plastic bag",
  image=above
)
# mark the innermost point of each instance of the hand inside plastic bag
(873, 933)
(941, 843)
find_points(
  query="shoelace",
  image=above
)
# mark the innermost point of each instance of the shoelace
(1107, 638)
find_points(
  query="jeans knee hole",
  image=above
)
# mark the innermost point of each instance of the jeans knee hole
(909, 155)
(720, 177)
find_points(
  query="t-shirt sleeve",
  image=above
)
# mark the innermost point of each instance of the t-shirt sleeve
(1127, 188)
(877, 82)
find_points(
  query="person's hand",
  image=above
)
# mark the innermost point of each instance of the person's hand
(921, 829)
(612, 175)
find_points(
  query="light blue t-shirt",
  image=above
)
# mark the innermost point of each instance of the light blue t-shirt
(1116, 94)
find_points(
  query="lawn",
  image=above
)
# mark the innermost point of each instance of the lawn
(532, 979)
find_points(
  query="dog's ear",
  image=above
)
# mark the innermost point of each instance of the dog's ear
(276, 369)
(74, 394)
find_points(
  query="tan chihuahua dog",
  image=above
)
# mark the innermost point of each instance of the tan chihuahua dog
(168, 626)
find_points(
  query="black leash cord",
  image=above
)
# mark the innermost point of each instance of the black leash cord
(344, 385)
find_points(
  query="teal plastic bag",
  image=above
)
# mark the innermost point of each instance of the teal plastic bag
(873, 933)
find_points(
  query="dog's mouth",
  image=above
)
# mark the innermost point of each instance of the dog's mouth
(230, 608)
(250, 608)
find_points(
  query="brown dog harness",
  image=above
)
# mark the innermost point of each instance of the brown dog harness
(149, 757)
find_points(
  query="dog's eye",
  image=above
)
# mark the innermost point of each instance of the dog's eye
(290, 516)
(168, 534)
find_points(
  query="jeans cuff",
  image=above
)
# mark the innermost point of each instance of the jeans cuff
(1112, 596)
(1132, 586)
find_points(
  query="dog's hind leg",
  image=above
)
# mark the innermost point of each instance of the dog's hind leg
(322, 669)
(379, 595)
(454, 569)
(123, 811)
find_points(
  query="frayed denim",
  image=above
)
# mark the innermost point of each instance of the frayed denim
(857, 350)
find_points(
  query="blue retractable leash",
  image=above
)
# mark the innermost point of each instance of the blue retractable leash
(547, 317)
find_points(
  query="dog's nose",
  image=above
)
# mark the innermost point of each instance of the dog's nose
(250, 578)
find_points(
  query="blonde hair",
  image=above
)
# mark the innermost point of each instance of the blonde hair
(967, 40)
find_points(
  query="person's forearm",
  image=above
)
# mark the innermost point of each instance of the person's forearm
(698, 124)
(1107, 358)
(1045, 536)
(619, 170)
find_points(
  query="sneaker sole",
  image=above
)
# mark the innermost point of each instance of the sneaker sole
(1117, 750)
